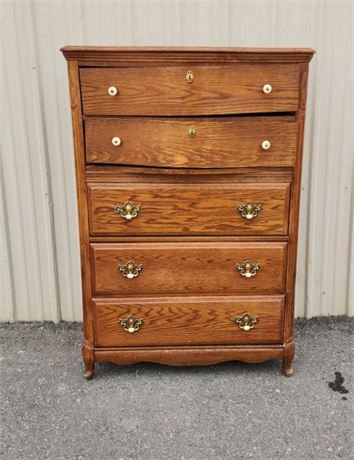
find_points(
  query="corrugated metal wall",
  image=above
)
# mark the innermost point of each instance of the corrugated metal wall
(40, 275)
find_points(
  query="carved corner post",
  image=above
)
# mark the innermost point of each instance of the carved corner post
(89, 359)
(288, 356)
(289, 344)
(76, 113)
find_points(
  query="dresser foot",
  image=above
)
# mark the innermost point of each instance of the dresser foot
(89, 361)
(289, 352)
(89, 372)
(288, 371)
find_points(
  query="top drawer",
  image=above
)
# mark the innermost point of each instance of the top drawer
(190, 89)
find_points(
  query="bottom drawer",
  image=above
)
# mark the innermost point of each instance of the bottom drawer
(188, 321)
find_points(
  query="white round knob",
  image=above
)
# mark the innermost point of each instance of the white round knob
(112, 91)
(116, 141)
(267, 88)
(265, 145)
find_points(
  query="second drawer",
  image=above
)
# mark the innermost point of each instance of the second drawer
(192, 209)
(187, 268)
(192, 142)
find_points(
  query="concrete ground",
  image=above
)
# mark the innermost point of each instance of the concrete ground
(148, 411)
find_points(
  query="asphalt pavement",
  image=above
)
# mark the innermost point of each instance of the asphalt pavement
(148, 411)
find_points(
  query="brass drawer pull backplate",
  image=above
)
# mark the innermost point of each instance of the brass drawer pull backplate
(246, 322)
(130, 270)
(131, 324)
(249, 210)
(247, 268)
(129, 210)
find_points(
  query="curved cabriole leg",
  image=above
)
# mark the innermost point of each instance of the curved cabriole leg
(89, 360)
(289, 352)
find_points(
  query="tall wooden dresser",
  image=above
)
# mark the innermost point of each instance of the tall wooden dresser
(188, 166)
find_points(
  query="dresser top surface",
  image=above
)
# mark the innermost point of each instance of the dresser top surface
(107, 53)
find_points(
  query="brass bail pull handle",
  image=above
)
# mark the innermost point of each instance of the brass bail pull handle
(130, 270)
(249, 210)
(131, 324)
(129, 210)
(247, 268)
(246, 322)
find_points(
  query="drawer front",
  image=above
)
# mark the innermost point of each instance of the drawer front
(188, 321)
(185, 267)
(188, 209)
(191, 143)
(214, 89)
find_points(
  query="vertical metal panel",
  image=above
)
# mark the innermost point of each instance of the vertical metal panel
(350, 310)
(40, 273)
(26, 187)
(7, 305)
(56, 23)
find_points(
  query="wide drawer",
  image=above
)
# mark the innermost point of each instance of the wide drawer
(187, 267)
(189, 209)
(191, 143)
(190, 90)
(188, 321)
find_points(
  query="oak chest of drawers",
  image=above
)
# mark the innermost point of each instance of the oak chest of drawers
(188, 166)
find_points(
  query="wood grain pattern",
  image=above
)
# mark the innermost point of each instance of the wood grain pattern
(136, 174)
(188, 236)
(294, 214)
(185, 238)
(189, 356)
(289, 352)
(182, 268)
(78, 136)
(121, 55)
(199, 209)
(88, 358)
(188, 321)
(218, 143)
(216, 89)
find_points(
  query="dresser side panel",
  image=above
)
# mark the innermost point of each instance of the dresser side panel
(295, 208)
(79, 148)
